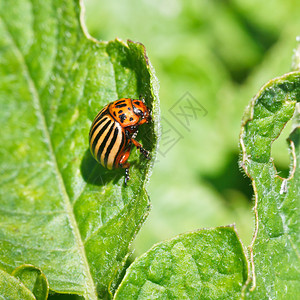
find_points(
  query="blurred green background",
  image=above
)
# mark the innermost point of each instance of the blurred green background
(221, 53)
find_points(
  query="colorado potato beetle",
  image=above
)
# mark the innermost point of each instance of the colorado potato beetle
(113, 131)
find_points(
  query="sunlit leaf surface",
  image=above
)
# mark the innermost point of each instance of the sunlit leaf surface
(60, 210)
(205, 264)
(12, 289)
(274, 251)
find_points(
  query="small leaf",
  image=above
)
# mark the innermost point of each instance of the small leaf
(59, 209)
(274, 251)
(205, 264)
(12, 289)
(34, 279)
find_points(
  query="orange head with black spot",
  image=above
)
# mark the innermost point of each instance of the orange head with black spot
(129, 112)
(141, 110)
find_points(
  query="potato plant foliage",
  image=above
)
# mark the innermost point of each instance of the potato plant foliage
(66, 223)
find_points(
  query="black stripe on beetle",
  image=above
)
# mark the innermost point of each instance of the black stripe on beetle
(100, 133)
(99, 116)
(109, 148)
(104, 142)
(96, 125)
(121, 148)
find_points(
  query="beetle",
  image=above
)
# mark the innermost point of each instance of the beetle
(113, 132)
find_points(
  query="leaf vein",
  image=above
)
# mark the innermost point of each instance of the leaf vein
(90, 285)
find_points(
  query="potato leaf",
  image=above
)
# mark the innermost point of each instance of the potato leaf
(274, 251)
(59, 209)
(13, 289)
(204, 264)
(34, 279)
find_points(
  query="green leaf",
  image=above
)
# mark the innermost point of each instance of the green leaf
(274, 251)
(59, 209)
(206, 264)
(12, 289)
(34, 279)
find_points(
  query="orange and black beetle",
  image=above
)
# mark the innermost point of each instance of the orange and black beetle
(113, 131)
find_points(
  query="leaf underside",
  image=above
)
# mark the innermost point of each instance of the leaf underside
(60, 210)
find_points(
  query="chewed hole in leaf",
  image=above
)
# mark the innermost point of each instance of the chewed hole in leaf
(280, 153)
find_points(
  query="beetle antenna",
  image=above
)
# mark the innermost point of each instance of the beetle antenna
(141, 97)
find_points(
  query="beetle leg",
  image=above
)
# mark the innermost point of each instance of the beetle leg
(140, 147)
(125, 164)
(127, 177)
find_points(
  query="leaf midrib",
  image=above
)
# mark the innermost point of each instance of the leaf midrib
(90, 292)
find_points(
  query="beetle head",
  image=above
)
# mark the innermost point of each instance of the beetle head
(141, 110)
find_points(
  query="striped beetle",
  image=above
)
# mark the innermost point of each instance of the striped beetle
(113, 131)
